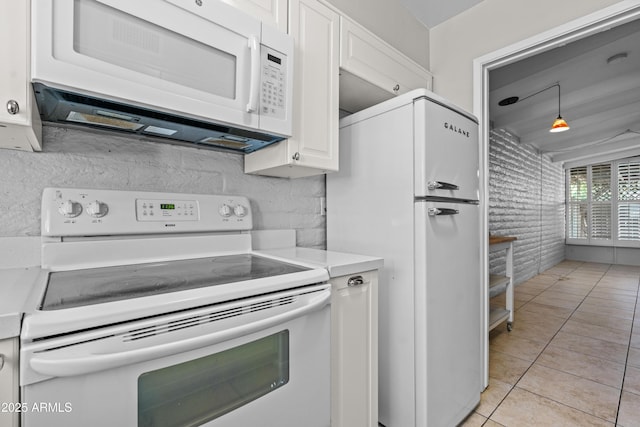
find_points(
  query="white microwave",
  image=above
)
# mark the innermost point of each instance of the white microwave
(195, 71)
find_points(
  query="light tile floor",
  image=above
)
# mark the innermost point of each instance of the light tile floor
(573, 357)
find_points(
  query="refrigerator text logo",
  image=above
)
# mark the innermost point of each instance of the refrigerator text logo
(454, 128)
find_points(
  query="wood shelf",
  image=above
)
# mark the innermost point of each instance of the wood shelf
(497, 316)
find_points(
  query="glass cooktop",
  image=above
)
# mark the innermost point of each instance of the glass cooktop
(67, 289)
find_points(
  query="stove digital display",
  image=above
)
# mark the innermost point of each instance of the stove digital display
(167, 206)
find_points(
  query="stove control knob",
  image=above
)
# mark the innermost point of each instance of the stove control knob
(240, 211)
(225, 211)
(70, 209)
(97, 209)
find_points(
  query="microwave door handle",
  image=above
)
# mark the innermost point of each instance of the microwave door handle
(61, 365)
(254, 45)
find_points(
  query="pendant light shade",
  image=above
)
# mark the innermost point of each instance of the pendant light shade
(559, 125)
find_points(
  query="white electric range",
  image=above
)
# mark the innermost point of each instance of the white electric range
(152, 309)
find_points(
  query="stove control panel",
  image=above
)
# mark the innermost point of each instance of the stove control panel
(165, 209)
(83, 212)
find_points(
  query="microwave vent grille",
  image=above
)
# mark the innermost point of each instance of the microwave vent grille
(68, 108)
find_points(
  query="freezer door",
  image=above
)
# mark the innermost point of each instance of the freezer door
(446, 152)
(448, 312)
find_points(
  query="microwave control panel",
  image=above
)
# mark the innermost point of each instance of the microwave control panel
(274, 87)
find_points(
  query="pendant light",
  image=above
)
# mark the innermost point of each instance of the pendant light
(559, 124)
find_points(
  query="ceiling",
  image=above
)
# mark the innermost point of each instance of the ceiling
(599, 100)
(433, 12)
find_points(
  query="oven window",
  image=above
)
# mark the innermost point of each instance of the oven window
(194, 392)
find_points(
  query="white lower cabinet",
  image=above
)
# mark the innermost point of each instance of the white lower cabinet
(354, 350)
(9, 396)
(313, 148)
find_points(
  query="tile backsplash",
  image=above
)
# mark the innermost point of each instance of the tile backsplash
(94, 159)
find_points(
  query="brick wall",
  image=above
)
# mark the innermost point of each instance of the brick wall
(526, 200)
(91, 159)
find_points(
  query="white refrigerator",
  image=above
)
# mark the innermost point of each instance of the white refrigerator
(407, 191)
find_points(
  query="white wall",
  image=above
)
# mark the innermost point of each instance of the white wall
(526, 200)
(392, 22)
(611, 255)
(487, 27)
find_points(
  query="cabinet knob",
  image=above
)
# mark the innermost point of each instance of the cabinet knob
(296, 156)
(13, 107)
(1, 361)
(355, 281)
(396, 88)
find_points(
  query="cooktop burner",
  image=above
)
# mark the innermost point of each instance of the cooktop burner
(67, 289)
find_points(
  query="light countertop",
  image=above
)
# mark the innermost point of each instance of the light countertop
(16, 284)
(15, 287)
(337, 263)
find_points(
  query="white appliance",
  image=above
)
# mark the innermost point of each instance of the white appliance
(201, 72)
(152, 310)
(407, 191)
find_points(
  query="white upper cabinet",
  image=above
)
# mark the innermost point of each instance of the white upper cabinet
(339, 65)
(20, 126)
(313, 148)
(272, 12)
(371, 71)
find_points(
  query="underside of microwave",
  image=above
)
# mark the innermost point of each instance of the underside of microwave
(60, 106)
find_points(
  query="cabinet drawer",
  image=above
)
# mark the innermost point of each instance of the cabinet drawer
(368, 57)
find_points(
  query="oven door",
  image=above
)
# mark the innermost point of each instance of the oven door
(259, 361)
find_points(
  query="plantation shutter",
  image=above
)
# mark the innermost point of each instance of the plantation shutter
(578, 197)
(601, 201)
(629, 200)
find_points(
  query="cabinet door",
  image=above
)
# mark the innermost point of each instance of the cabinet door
(9, 416)
(272, 12)
(354, 354)
(19, 128)
(316, 30)
(366, 61)
(313, 148)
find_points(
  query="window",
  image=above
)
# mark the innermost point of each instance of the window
(200, 390)
(578, 208)
(629, 200)
(603, 203)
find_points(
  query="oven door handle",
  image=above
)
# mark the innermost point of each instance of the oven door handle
(65, 363)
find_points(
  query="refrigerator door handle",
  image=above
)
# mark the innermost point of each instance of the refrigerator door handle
(442, 211)
(439, 185)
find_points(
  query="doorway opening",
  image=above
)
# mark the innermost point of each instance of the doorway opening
(601, 21)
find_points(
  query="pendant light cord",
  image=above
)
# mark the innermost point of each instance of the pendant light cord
(542, 90)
